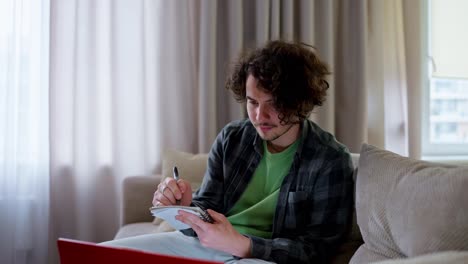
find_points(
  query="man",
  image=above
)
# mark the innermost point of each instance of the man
(278, 187)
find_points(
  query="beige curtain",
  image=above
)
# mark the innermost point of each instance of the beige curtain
(129, 79)
(372, 48)
(412, 23)
(392, 76)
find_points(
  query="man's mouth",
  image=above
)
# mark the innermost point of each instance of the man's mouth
(265, 127)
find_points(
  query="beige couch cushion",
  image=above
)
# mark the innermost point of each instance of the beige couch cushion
(407, 208)
(191, 167)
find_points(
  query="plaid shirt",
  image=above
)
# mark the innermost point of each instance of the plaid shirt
(315, 199)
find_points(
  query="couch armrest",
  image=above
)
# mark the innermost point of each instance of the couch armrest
(137, 198)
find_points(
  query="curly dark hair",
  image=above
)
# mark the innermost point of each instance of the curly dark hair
(291, 72)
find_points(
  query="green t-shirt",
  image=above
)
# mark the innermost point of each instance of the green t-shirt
(253, 213)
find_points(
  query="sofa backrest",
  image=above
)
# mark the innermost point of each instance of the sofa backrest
(192, 167)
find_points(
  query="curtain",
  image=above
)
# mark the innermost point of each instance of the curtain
(128, 79)
(106, 111)
(371, 47)
(413, 22)
(24, 139)
(386, 82)
(376, 82)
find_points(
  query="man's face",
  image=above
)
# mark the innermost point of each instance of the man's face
(264, 116)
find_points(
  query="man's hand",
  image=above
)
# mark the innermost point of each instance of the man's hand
(220, 235)
(170, 190)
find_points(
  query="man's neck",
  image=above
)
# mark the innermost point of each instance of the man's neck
(275, 148)
(286, 140)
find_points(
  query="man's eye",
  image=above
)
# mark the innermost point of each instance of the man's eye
(253, 102)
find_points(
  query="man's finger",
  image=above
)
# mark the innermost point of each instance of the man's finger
(161, 198)
(196, 228)
(192, 219)
(216, 216)
(182, 185)
(172, 185)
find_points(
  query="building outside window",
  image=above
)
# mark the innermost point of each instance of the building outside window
(448, 111)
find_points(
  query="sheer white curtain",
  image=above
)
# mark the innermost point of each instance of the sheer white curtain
(125, 84)
(106, 117)
(24, 139)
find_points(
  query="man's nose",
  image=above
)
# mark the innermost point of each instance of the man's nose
(262, 113)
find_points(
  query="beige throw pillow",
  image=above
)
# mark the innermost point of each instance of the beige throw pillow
(407, 207)
(191, 167)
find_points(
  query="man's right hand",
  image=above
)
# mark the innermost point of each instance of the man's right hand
(170, 191)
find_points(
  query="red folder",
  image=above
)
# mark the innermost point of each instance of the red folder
(79, 252)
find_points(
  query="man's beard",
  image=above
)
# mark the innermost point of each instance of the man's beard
(275, 137)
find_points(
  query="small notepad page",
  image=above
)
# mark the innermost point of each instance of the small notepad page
(168, 213)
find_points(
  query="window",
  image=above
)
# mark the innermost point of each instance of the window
(445, 128)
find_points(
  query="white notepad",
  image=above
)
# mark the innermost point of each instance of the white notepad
(168, 213)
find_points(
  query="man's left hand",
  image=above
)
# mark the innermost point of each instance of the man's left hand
(220, 235)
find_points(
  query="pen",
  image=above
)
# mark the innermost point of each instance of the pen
(175, 172)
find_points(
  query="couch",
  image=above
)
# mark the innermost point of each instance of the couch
(406, 211)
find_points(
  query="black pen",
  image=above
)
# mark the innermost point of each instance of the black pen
(175, 173)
